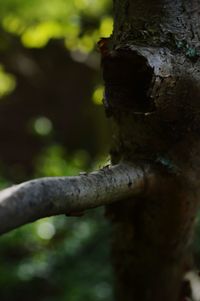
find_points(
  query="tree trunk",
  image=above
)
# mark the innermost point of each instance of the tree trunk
(151, 70)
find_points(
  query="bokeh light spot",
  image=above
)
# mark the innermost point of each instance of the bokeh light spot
(46, 230)
(7, 82)
(106, 27)
(38, 35)
(43, 126)
(97, 96)
(103, 290)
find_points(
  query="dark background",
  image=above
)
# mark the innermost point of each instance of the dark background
(52, 123)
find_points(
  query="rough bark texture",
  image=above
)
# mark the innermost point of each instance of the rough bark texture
(151, 69)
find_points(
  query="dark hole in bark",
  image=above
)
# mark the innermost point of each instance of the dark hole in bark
(128, 78)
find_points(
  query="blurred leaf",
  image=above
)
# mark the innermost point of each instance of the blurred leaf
(38, 21)
(7, 82)
(55, 162)
(39, 35)
(97, 96)
(106, 27)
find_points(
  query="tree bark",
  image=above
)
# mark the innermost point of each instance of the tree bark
(29, 201)
(151, 72)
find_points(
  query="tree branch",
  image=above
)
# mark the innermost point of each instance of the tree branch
(29, 201)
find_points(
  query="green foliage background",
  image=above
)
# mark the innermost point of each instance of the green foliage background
(80, 22)
(57, 258)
